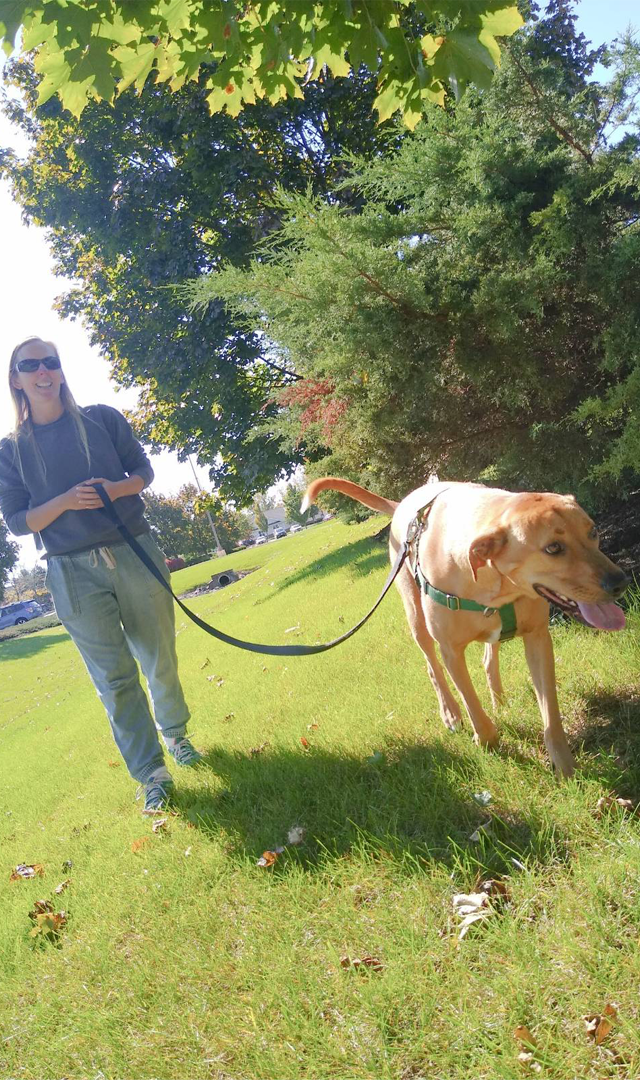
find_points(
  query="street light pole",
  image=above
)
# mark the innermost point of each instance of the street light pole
(219, 549)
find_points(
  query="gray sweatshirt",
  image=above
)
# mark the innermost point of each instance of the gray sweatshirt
(115, 454)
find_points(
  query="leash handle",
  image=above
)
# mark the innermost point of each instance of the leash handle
(250, 646)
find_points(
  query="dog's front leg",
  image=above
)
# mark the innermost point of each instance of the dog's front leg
(491, 663)
(538, 649)
(455, 663)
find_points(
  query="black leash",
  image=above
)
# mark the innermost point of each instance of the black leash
(270, 650)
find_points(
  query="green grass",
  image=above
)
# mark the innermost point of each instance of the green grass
(186, 959)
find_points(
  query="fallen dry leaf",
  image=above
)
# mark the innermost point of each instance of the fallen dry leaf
(312, 727)
(137, 845)
(362, 962)
(228, 718)
(159, 824)
(494, 887)
(606, 802)
(599, 1025)
(255, 750)
(523, 1035)
(268, 858)
(305, 742)
(24, 871)
(113, 764)
(49, 924)
(41, 907)
(62, 886)
(187, 851)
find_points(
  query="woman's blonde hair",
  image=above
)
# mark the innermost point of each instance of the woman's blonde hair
(23, 422)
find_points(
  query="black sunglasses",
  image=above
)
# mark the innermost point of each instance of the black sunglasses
(52, 363)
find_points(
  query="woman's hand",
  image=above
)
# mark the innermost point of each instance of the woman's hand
(85, 497)
(81, 497)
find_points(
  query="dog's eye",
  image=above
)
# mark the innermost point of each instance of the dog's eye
(554, 549)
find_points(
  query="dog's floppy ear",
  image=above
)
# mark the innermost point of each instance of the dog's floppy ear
(485, 548)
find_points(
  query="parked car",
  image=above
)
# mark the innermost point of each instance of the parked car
(279, 533)
(261, 540)
(20, 612)
(295, 527)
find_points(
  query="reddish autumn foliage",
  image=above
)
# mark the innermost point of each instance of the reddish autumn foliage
(314, 398)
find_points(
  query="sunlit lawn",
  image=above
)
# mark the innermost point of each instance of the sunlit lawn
(185, 959)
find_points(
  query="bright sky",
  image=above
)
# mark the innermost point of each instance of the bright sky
(28, 286)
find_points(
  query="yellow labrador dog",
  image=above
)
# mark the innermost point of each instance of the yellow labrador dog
(485, 564)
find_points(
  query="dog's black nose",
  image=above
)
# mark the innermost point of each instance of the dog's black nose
(615, 583)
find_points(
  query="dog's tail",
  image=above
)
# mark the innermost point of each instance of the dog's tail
(354, 491)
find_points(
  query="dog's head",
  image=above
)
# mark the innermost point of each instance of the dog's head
(547, 545)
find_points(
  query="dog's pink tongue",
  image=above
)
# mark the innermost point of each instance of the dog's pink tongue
(603, 616)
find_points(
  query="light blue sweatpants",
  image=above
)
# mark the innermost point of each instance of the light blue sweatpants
(116, 613)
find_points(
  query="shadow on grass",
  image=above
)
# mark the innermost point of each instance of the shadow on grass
(609, 740)
(362, 556)
(413, 804)
(18, 648)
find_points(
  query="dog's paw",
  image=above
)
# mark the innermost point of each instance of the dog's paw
(451, 720)
(561, 758)
(488, 738)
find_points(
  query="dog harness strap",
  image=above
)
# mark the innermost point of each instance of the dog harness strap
(507, 613)
(509, 622)
(250, 646)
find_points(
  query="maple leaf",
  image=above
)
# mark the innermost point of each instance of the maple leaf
(48, 924)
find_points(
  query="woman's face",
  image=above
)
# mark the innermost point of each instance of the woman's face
(42, 385)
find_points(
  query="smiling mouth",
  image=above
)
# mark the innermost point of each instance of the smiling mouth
(603, 616)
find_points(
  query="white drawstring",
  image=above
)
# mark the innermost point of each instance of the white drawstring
(106, 554)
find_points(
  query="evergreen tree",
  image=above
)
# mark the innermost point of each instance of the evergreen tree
(479, 318)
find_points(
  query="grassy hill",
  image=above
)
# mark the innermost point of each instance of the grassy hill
(181, 957)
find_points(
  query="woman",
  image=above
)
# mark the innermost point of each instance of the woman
(113, 608)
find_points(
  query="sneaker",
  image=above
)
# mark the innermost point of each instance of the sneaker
(183, 752)
(158, 793)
